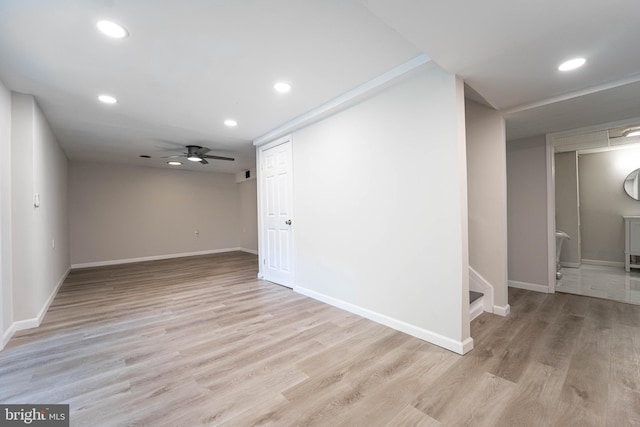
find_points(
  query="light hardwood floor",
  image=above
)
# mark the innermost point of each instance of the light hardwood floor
(201, 341)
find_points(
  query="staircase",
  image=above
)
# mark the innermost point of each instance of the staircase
(476, 304)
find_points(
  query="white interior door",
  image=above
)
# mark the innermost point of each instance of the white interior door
(276, 185)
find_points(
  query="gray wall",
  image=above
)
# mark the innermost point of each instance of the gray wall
(527, 211)
(603, 202)
(567, 215)
(380, 204)
(38, 165)
(487, 190)
(248, 195)
(6, 293)
(125, 213)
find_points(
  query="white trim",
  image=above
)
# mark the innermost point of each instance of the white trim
(467, 346)
(460, 347)
(551, 216)
(7, 335)
(602, 263)
(576, 94)
(34, 322)
(480, 284)
(342, 101)
(260, 212)
(47, 304)
(21, 325)
(529, 286)
(250, 251)
(154, 258)
(570, 264)
(477, 308)
(595, 128)
(502, 311)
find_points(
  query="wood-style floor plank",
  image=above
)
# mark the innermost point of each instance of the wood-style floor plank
(200, 341)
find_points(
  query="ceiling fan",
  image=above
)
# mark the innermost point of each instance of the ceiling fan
(196, 153)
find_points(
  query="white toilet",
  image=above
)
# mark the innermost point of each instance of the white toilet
(561, 236)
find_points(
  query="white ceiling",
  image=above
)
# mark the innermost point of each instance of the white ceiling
(188, 65)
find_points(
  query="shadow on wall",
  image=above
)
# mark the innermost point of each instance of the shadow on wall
(527, 213)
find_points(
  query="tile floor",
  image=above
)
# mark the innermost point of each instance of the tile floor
(611, 283)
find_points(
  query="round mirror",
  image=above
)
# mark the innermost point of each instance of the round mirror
(632, 184)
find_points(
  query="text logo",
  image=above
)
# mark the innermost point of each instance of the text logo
(34, 415)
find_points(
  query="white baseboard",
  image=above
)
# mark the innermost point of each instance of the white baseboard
(480, 284)
(502, 311)
(34, 322)
(7, 335)
(251, 251)
(467, 346)
(603, 263)
(477, 308)
(529, 286)
(570, 264)
(460, 347)
(21, 325)
(155, 258)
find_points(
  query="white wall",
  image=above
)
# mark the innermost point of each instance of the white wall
(487, 189)
(603, 202)
(6, 294)
(567, 215)
(248, 229)
(380, 209)
(23, 216)
(38, 165)
(125, 213)
(527, 213)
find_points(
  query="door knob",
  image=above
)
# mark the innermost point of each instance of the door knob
(288, 222)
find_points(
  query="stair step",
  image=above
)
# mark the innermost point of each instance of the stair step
(473, 296)
(476, 305)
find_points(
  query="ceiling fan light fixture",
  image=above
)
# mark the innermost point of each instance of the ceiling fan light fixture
(194, 158)
(174, 163)
(572, 64)
(112, 29)
(107, 99)
(631, 132)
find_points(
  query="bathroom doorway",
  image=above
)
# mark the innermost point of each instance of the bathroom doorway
(590, 168)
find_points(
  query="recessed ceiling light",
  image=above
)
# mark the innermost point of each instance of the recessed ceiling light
(107, 99)
(282, 87)
(231, 123)
(572, 64)
(112, 29)
(144, 156)
(194, 159)
(174, 163)
(631, 132)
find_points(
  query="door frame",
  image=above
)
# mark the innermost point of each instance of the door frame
(260, 149)
(551, 212)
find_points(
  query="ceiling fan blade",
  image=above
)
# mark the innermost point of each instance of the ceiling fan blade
(208, 156)
(171, 157)
(204, 162)
(202, 150)
(169, 145)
